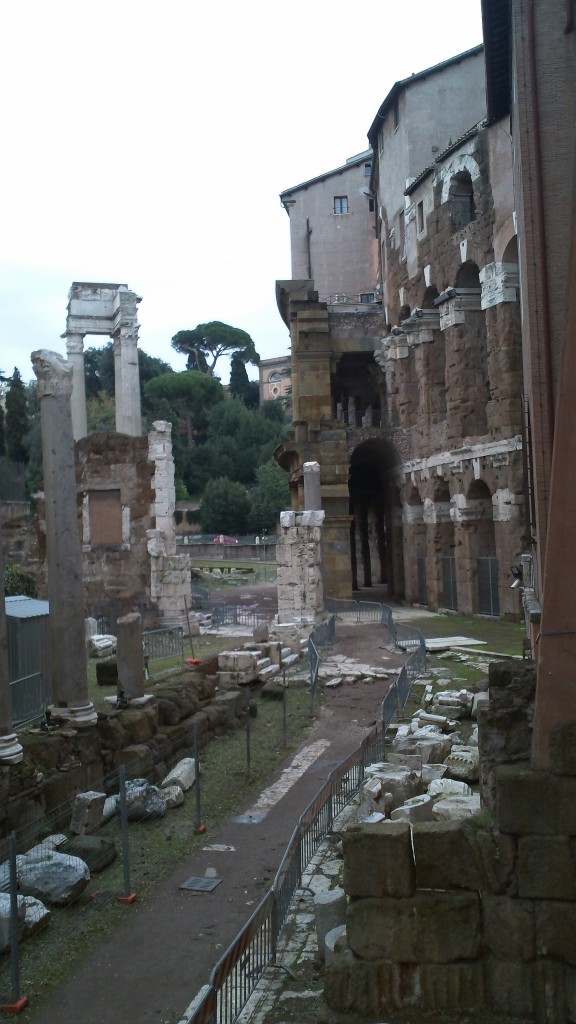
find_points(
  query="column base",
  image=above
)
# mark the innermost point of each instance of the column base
(10, 749)
(78, 717)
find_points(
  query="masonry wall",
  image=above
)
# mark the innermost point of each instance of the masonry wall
(471, 915)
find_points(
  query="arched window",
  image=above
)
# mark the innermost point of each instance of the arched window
(462, 208)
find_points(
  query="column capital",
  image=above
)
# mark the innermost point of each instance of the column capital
(74, 343)
(54, 373)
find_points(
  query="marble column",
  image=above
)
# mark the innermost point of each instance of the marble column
(127, 381)
(10, 749)
(75, 354)
(69, 673)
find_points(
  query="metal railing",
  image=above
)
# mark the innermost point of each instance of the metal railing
(238, 615)
(30, 697)
(163, 643)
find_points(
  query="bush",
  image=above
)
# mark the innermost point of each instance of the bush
(17, 581)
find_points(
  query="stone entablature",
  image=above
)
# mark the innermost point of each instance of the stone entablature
(500, 283)
(454, 461)
(455, 303)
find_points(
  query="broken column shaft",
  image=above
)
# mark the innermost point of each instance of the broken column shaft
(69, 674)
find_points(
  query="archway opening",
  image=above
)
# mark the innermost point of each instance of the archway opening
(376, 536)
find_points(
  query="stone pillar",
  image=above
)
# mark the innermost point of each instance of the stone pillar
(64, 554)
(127, 381)
(10, 749)
(75, 353)
(299, 576)
(130, 655)
(312, 497)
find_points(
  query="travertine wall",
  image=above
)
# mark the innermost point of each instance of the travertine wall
(298, 561)
(469, 916)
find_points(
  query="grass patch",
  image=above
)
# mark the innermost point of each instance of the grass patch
(498, 635)
(157, 847)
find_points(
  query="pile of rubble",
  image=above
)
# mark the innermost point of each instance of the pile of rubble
(430, 771)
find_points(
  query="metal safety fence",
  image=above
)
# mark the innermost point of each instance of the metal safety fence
(163, 643)
(30, 696)
(239, 615)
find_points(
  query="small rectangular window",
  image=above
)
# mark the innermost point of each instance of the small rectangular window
(340, 204)
(371, 205)
(366, 296)
(367, 170)
(420, 216)
(105, 512)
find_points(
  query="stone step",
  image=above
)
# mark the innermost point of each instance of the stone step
(261, 664)
(268, 672)
(289, 659)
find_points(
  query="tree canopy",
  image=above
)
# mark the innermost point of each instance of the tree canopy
(189, 394)
(206, 343)
(16, 424)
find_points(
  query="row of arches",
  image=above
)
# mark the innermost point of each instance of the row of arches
(443, 549)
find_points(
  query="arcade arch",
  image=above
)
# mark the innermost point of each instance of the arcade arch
(377, 529)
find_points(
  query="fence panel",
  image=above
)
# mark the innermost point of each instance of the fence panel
(30, 696)
(238, 972)
(163, 643)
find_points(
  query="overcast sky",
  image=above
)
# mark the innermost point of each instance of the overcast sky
(148, 144)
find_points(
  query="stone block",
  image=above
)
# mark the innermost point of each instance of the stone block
(418, 808)
(509, 927)
(372, 990)
(534, 803)
(87, 812)
(378, 860)
(430, 927)
(445, 857)
(546, 867)
(508, 987)
(555, 931)
(497, 857)
(562, 749)
(139, 725)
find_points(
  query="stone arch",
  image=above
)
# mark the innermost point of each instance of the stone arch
(510, 254)
(461, 200)
(442, 563)
(415, 546)
(467, 275)
(430, 294)
(376, 528)
(467, 376)
(462, 167)
(481, 537)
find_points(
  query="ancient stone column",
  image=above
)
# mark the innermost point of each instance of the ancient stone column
(312, 495)
(130, 656)
(127, 381)
(64, 554)
(75, 353)
(10, 749)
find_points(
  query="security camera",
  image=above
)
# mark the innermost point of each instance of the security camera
(517, 583)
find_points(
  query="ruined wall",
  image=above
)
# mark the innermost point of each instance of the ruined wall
(473, 915)
(115, 507)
